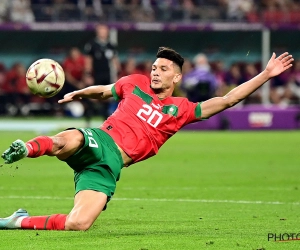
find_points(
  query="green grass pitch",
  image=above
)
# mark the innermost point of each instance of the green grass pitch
(204, 190)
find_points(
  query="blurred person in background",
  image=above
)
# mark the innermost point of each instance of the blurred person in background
(189, 10)
(233, 77)
(102, 64)
(16, 89)
(274, 5)
(200, 83)
(164, 10)
(3, 96)
(64, 10)
(90, 9)
(294, 84)
(129, 67)
(42, 10)
(249, 72)
(280, 91)
(187, 67)
(74, 68)
(146, 68)
(220, 73)
(20, 11)
(238, 9)
(142, 11)
(4, 4)
(119, 11)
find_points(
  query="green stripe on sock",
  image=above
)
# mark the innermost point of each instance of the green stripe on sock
(46, 222)
(39, 147)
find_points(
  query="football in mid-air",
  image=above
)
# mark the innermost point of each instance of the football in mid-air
(45, 78)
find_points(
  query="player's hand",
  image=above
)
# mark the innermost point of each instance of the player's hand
(278, 65)
(72, 96)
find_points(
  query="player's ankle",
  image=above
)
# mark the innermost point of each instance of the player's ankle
(41, 145)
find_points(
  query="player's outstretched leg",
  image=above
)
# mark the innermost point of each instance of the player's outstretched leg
(13, 221)
(88, 205)
(41, 145)
(21, 220)
(62, 145)
(15, 152)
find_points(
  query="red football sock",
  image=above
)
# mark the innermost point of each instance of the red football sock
(52, 222)
(41, 145)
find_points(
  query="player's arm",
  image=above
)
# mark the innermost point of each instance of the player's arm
(274, 67)
(100, 92)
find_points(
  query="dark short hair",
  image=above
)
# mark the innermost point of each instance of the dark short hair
(170, 54)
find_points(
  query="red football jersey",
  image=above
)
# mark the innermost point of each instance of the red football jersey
(142, 122)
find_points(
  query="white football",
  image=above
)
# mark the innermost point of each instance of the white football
(45, 78)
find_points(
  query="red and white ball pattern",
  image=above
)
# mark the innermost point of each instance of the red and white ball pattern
(45, 78)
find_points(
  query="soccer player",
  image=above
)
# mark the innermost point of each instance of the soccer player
(147, 116)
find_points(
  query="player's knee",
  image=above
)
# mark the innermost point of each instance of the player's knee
(58, 144)
(77, 224)
(67, 143)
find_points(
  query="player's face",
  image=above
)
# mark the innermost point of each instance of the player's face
(164, 74)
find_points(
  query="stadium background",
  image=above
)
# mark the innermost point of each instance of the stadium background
(227, 32)
(206, 189)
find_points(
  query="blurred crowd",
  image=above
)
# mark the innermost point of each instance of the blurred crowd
(27, 11)
(201, 80)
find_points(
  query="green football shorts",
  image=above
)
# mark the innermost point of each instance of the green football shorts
(97, 165)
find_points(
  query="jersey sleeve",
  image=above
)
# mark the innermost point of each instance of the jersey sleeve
(126, 84)
(193, 112)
